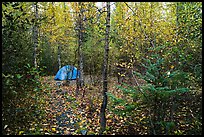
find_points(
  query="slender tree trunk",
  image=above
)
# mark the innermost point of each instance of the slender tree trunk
(177, 19)
(59, 56)
(35, 35)
(178, 8)
(151, 42)
(134, 27)
(65, 18)
(105, 83)
(81, 78)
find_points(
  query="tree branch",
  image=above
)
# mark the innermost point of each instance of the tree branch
(140, 24)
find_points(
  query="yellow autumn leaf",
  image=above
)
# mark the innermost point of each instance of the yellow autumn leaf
(145, 127)
(54, 129)
(109, 121)
(21, 132)
(172, 66)
(83, 121)
(107, 116)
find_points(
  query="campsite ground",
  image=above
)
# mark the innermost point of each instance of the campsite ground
(67, 114)
(61, 112)
(76, 115)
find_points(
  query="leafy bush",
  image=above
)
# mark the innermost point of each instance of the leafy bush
(20, 93)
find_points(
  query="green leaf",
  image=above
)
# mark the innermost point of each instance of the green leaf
(19, 76)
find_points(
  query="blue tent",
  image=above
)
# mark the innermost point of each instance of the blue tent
(67, 72)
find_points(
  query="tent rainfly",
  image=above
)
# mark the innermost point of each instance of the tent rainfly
(67, 72)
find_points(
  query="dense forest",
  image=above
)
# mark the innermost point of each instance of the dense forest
(139, 63)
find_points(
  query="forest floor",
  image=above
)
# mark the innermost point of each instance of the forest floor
(60, 112)
(54, 110)
(68, 114)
